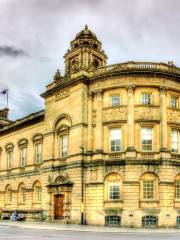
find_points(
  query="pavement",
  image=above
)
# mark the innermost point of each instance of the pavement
(83, 228)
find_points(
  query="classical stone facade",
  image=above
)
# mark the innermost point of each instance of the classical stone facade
(104, 151)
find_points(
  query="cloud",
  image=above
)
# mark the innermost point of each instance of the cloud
(10, 51)
(139, 30)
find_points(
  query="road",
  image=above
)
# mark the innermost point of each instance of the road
(14, 233)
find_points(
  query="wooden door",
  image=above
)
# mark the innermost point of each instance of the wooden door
(59, 199)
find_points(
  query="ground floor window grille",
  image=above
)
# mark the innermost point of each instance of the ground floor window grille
(149, 221)
(178, 221)
(113, 221)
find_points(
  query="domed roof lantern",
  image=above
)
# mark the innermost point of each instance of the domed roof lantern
(86, 33)
(85, 53)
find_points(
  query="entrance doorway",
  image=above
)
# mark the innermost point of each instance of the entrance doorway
(58, 208)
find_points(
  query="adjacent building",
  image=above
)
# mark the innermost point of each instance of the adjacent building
(104, 151)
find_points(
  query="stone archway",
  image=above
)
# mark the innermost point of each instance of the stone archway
(60, 194)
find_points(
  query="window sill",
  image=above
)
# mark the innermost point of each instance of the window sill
(37, 164)
(149, 201)
(114, 201)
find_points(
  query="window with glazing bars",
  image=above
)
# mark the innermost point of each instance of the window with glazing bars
(38, 194)
(149, 221)
(64, 146)
(115, 101)
(146, 98)
(114, 190)
(23, 156)
(10, 159)
(146, 139)
(38, 152)
(174, 102)
(113, 221)
(148, 189)
(178, 221)
(174, 140)
(115, 140)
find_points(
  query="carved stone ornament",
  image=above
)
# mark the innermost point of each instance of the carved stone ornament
(130, 88)
(98, 93)
(62, 94)
(115, 114)
(90, 95)
(173, 116)
(162, 90)
(144, 113)
(75, 65)
(57, 76)
(63, 179)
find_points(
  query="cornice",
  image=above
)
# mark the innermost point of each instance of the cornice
(132, 69)
(24, 122)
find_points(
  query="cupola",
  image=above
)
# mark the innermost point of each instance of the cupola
(85, 53)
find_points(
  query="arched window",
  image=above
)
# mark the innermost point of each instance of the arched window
(149, 221)
(149, 187)
(113, 187)
(9, 194)
(37, 192)
(22, 193)
(95, 63)
(177, 187)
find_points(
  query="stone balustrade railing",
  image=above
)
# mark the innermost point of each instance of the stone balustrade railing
(137, 66)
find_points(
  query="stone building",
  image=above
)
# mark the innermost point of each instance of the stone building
(104, 151)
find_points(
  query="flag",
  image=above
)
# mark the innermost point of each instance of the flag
(4, 91)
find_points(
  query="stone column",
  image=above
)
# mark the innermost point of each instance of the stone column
(130, 119)
(99, 119)
(163, 117)
(90, 123)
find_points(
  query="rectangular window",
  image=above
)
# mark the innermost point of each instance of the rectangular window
(115, 140)
(115, 101)
(146, 139)
(38, 152)
(22, 195)
(64, 146)
(174, 102)
(38, 194)
(114, 190)
(177, 189)
(23, 156)
(146, 98)
(9, 159)
(9, 196)
(174, 140)
(148, 190)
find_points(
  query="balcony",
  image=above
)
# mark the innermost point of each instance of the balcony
(175, 156)
(115, 156)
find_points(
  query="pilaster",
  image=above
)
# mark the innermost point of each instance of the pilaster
(131, 151)
(99, 121)
(163, 125)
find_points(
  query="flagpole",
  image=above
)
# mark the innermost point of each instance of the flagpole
(7, 98)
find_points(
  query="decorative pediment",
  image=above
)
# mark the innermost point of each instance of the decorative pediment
(60, 180)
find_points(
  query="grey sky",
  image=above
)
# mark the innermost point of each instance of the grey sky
(35, 34)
